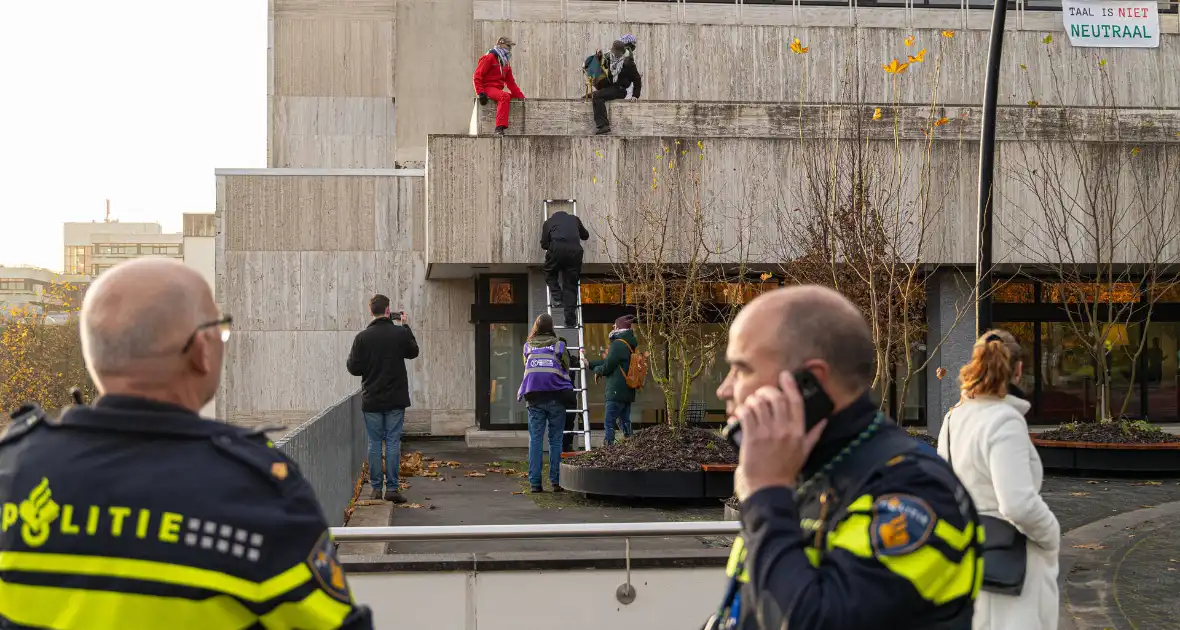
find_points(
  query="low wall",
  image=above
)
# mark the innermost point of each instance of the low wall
(329, 450)
(571, 599)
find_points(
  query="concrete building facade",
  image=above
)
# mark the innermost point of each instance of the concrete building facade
(361, 89)
(92, 248)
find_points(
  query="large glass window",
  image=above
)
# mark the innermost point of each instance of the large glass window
(507, 370)
(1160, 360)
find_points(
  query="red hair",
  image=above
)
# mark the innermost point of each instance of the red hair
(993, 364)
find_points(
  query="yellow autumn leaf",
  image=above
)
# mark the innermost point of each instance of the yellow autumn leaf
(798, 48)
(1048, 39)
(909, 41)
(1023, 67)
(1135, 152)
(594, 180)
(700, 144)
(1101, 62)
(941, 121)
(894, 67)
(1034, 104)
(766, 276)
(877, 114)
(948, 34)
(919, 58)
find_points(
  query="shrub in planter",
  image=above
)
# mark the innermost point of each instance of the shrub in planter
(1114, 432)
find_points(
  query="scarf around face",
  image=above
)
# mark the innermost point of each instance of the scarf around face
(503, 55)
(616, 64)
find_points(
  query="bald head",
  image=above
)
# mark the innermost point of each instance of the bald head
(137, 317)
(814, 322)
(799, 327)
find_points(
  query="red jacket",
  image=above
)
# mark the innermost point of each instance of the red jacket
(490, 74)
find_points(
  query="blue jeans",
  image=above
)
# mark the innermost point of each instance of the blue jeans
(548, 415)
(385, 428)
(620, 411)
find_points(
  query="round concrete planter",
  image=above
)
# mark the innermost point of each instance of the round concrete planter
(1102, 457)
(652, 484)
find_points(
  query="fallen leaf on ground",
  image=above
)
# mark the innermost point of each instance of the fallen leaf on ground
(430, 473)
(495, 463)
(475, 474)
(1094, 546)
(521, 492)
(412, 506)
(1092, 482)
(411, 464)
(1150, 483)
(503, 471)
(370, 502)
(1171, 568)
(1147, 506)
(1079, 494)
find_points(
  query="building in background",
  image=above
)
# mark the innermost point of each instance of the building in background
(24, 288)
(92, 248)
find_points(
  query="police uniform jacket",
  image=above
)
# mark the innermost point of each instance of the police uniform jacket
(884, 537)
(140, 514)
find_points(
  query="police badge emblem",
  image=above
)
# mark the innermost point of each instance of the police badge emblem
(325, 566)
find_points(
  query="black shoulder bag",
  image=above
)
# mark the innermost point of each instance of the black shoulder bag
(1005, 548)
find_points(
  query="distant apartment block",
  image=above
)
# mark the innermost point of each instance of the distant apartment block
(92, 248)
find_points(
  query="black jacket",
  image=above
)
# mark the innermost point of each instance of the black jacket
(133, 498)
(378, 356)
(628, 76)
(886, 533)
(563, 230)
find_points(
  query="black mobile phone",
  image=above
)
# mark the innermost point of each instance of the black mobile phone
(816, 406)
(395, 316)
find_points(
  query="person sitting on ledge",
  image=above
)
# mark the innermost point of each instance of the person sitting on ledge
(493, 80)
(622, 74)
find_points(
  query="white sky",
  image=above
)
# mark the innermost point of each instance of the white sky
(132, 100)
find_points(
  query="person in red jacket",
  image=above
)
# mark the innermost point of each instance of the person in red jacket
(493, 80)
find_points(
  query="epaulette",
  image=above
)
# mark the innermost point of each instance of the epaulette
(23, 420)
(261, 457)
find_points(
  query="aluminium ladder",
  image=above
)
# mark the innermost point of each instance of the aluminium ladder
(580, 390)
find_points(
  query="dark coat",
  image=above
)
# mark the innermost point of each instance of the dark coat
(629, 76)
(563, 230)
(378, 356)
(614, 368)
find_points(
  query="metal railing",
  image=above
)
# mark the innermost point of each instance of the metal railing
(329, 450)
(518, 532)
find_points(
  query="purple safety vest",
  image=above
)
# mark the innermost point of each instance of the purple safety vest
(543, 371)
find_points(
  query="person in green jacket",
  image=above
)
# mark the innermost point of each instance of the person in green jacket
(613, 368)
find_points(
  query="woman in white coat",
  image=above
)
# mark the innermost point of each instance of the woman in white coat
(997, 463)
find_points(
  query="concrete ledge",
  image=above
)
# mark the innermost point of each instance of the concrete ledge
(321, 172)
(700, 119)
(479, 438)
(532, 561)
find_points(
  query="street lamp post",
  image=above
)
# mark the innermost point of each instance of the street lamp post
(987, 165)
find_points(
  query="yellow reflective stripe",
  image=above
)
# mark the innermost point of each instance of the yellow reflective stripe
(937, 579)
(852, 535)
(75, 609)
(736, 557)
(813, 555)
(978, 577)
(953, 536)
(149, 571)
(313, 612)
(863, 503)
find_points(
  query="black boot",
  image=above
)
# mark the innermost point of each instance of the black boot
(602, 130)
(500, 131)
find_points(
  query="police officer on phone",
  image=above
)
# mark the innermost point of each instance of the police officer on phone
(847, 522)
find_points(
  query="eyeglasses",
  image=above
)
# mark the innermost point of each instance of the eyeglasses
(223, 325)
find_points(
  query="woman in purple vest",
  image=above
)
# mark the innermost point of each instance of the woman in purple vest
(545, 388)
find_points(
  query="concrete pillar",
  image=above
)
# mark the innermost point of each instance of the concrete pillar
(432, 76)
(948, 298)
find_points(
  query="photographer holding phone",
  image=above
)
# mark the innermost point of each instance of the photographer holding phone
(847, 522)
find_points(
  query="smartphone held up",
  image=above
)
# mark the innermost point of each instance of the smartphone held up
(816, 406)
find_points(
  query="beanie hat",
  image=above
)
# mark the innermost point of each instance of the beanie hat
(624, 322)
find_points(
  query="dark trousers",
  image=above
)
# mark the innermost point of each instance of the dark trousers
(600, 97)
(563, 268)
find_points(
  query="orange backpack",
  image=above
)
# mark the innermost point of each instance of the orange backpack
(636, 373)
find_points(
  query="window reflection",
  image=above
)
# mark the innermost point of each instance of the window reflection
(507, 370)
